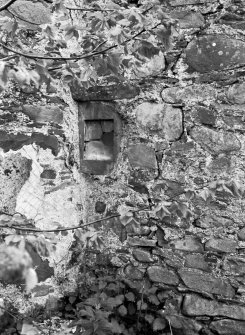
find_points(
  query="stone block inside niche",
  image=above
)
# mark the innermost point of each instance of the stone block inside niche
(100, 133)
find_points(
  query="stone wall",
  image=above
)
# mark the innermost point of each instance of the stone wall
(181, 129)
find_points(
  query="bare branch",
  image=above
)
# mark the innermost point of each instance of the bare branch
(69, 228)
(7, 5)
(91, 54)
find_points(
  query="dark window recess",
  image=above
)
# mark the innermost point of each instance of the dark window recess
(100, 130)
(98, 140)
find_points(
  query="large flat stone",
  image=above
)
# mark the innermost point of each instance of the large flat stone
(203, 282)
(142, 156)
(42, 114)
(197, 261)
(188, 19)
(214, 141)
(228, 327)
(221, 245)
(11, 141)
(142, 256)
(161, 275)
(113, 91)
(188, 244)
(214, 53)
(162, 119)
(194, 305)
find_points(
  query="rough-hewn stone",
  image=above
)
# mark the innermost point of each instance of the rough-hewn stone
(188, 19)
(188, 244)
(228, 327)
(214, 52)
(142, 156)
(197, 261)
(110, 92)
(134, 273)
(214, 141)
(194, 305)
(221, 245)
(170, 257)
(159, 274)
(235, 265)
(42, 114)
(10, 141)
(141, 242)
(241, 234)
(93, 131)
(48, 174)
(206, 283)
(160, 118)
(100, 207)
(236, 93)
(142, 256)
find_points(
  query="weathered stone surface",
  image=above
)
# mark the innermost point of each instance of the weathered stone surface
(100, 207)
(97, 151)
(188, 19)
(197, 261)
(141, 242)
(206, 116)
(188, 244)
(110, 92)
(220, 165)
(10, 141)
(32, 12)
(214, 52)
(241, 234)
(221, 245)
(236, 94)
(142, 256)
(14, 172)
(142, 156)
(160, 118)
(235, 265)
(170, 257)
(228, 327)
(159, 274)
(42, 114)
(48, 174)
(93, 131)
(194, 93)
(133, 272)
(194, 305)
(214, 141)
(206, 283)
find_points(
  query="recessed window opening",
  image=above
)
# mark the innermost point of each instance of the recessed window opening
(98, 140)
